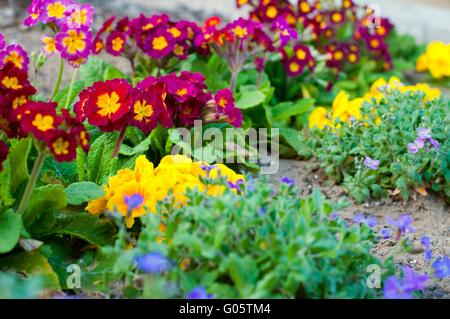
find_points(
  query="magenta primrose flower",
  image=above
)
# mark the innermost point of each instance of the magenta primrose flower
(74, 44)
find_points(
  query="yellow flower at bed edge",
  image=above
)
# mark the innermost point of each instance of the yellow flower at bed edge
(436, 59)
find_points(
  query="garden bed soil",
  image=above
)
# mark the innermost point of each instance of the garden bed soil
(431, 214)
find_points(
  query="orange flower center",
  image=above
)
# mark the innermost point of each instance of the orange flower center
(43, 122)
(142, 110)
(160, 43)
(60, 146)
(74, 41)
(11, 83)
(15, 58)
(117, 44)
(108, 104)
(56, 10)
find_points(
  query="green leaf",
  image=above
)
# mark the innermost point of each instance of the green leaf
(287, 109)
(93, 71)
(10, 226)
(295, 139)
(32, 263)
(6, 198)
(45, 199)
(18, 156)
(99, 159)
(81, 163)
(112, 73)
(250, 99)
(141, 148)
(82, 192)
(90, 228)
(63, 95)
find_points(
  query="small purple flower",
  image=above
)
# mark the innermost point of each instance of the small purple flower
(369, 221)
(262, 211)
(393, 289)
(199, 293)
(207, 168)
(236, 186)
(434, 143)
(403, 224)
(153, 262)
(335, 215)
(371, 163)
(424, 133)
(134, 201)
(442, 267)
(288, 181)
(413, 280)
(426, 242)
(396, 288)
(386, 233)
(417, 145)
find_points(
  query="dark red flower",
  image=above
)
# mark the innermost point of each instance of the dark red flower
(39, 118)
(63, 146)
(108, 104)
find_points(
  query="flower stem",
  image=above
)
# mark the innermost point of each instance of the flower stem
(58, 80)
(234, 75)
(31, 183)
(119, 142)
(72, 83)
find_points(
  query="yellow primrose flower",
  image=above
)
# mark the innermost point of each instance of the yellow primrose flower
(132, 200)
(438, 59)
(133, 193)
(319, 117)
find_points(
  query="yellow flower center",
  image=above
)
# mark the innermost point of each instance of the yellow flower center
(179, 50)
(336, 17)
(79, 17)
(352, 57)
(19, 101)
(175, 32)
(222, 102)
(11, 83)
(294, 67)
(301, 54)
(338, 55)
(271, 12)
(374, 43)
(15, 58)
(108, 104)
(160, 43)
(240, 32)
(304, 7)
(381, 31)
(147, 27)
(182, 92)
(117, 44)
(56, 10)
(74, 41)
(142, 110)
(43, 122)
(60, 146)
(98, 46)
(50, 45)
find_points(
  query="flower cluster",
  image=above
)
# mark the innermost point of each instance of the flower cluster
(170, 100)
(320, 23)
(344, 109)
(436, 60)
(423, 137)
(70, 23)
(241, 41)
(133, 193)
(157, 36)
